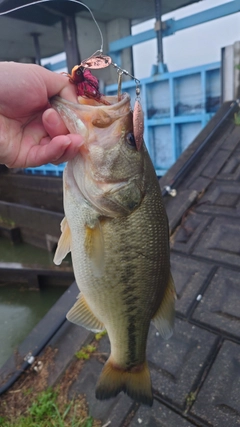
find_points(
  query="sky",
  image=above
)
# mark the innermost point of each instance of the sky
(191, 47)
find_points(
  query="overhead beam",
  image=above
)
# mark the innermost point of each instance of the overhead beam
(171, 26)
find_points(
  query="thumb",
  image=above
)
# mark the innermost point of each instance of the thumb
(53, 123)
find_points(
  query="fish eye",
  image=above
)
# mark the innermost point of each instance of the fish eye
(79, 72)
(131, 140)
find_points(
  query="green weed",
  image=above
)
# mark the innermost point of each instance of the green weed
(45, 406)
(190, 399)
(45, 412)
(99, 335)
(84, 353)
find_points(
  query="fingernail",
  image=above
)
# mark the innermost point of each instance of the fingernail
(77, 140)
(53, 118)
(66, 142)
(80, 142)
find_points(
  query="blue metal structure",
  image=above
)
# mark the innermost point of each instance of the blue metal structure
(176, 105)
(48, 169)
(171, 26)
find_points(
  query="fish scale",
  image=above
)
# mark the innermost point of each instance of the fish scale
(117, 231)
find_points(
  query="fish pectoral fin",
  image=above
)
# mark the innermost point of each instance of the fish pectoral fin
(164, 317)
(94, 246)
(81, 315)
(64, 242)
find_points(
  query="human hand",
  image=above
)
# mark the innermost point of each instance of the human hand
(31, 133)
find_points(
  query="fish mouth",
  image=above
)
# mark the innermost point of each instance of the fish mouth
(88, 104)
(81, 115)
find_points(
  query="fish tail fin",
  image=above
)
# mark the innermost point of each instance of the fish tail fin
(135, 382)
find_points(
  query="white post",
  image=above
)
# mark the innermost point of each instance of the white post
(231, 72)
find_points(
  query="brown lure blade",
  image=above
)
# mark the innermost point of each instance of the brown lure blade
(138, 124)
(97, 62)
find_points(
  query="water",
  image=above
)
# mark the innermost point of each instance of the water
(20, 311)
(24, 254)
(20, 308)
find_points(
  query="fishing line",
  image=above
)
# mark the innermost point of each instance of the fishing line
(94, 56)
(45, 1)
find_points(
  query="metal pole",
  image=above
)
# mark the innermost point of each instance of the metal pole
(158, 29)
(37, 47)
(70, 41)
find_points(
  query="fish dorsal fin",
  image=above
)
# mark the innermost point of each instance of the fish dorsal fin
(64, 242)
(164, 317)
(94, 246)
(81, 314)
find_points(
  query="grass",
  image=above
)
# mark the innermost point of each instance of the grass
(46, 412)
(29, 403)
(100, 335)
(85, 352)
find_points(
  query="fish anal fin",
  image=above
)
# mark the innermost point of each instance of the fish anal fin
(94, 247)
(163, 320)
(64, 243)
(81, 315)
(136, 382)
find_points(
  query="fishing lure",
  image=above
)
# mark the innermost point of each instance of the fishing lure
(88, 87)
(87, 84)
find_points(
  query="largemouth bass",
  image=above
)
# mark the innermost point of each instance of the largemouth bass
(116, 228)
